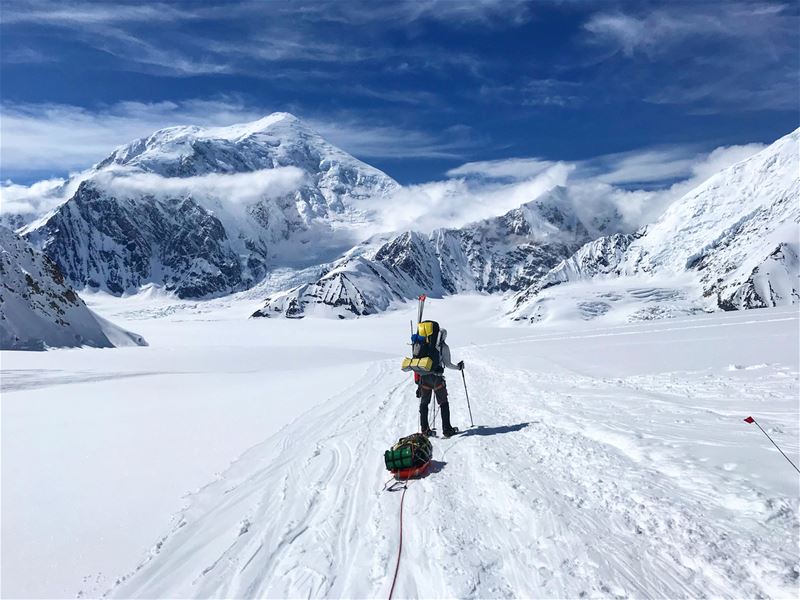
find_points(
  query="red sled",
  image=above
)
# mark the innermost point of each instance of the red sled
(411, 472)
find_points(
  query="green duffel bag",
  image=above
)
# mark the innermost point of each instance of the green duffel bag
(410, 456)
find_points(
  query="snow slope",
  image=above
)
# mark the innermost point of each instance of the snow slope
(604, 462)
(493, 255)
(209, 211)
(39, 310)
(737, 235)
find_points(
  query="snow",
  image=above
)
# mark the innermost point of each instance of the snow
(99, 448)
(608, 459)
(611, 301)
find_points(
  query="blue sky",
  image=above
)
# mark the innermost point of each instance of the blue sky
(414, 88)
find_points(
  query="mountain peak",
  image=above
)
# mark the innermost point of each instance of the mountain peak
(278, 139)
(241, 130)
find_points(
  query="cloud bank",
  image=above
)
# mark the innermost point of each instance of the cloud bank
(480, 190)
(35, 200)
(456, 201)
(511, 169)
(235, 188)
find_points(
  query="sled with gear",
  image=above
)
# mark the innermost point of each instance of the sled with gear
(410, 457)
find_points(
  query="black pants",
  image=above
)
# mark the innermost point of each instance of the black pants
(429, 385)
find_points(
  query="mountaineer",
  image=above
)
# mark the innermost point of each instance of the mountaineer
(431, 356)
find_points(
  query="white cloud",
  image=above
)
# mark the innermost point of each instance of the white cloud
(25, 55)
(536, 93)
(479, 190)
(627, 32)
(658, 30)
(642, 206)
(147, 36)
(33, 200)
(236, 188)
(711, 56)
(660, 167)
(62, 137)
(722, 158)
(82, 14)
(110, 27)
(483, 13)
(642, 166)
(388, 141)
(515, 169)
(457, 201)
(476, 12)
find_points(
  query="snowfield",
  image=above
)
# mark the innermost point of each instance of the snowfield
(608, 459)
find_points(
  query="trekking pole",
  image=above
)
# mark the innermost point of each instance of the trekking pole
(752, 420)
(464, 379)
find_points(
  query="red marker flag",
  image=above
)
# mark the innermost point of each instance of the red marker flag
(752, 420)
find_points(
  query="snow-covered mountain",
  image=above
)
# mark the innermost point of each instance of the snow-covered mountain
(208, 211)
(39, 310)
(736, 236)
(494, 255)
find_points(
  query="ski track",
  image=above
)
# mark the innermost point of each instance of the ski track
(14, 380)
(551, 496)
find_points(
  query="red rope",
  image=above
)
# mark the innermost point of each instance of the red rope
(400, 547)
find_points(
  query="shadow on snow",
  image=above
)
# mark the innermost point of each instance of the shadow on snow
(483, 430)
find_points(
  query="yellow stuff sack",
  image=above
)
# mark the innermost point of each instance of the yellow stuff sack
(425, 329)
(418, 365)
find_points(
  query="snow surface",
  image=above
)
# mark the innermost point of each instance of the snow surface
(606, 460)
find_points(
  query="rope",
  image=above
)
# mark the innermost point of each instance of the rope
(400, 547)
